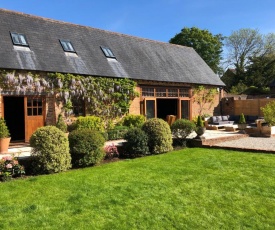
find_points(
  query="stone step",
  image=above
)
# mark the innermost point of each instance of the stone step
(17, 151)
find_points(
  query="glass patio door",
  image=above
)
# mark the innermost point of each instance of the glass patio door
(150, 108)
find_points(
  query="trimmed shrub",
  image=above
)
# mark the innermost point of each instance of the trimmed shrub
(71, 127)
(136, 143)
(86, 147)
(181, 128)
(242, 119)
(200, 122)
(117, 132)
(133, 121)
(159, 135)
(4, 131)
(60, 124)
(90, 122)
(50, 150)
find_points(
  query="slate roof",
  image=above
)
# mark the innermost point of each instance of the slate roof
(136, 58)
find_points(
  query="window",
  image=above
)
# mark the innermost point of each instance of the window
(78, 107)
(107, 52)
(67, 46)
(184, 92)
(160, 92)
(165, 92)
(35, 107)
(148, 92)
(19, 39)
(173, 93)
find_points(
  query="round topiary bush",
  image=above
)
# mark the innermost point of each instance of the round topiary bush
(159, 135)
(86, 147)
(50, 150)
(90, 122)
(181, 128)
(136, 143)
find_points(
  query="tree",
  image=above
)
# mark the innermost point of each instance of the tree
(229, 78)
(261, 71)
(251, 53)
(204, 97)
(207, 45)
(241, 45)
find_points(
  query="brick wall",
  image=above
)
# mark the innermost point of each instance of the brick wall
(135, 105)
(209, 109)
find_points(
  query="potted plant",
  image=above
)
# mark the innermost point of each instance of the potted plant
(200, 128)
(242, 123)
(60, 124)
(269, 118)
(4, 136)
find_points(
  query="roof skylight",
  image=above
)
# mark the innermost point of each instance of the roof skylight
(19, 39)
(67, 46)
(107, 52)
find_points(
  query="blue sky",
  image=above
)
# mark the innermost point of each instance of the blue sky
(155, 19)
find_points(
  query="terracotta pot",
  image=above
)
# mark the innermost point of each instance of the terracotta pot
(4, 144)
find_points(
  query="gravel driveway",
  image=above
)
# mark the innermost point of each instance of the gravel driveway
(253, 143)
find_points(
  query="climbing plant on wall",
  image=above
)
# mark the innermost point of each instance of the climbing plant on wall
(104, 97)
(204, 97)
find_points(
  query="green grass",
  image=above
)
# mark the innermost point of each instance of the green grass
(186, 189)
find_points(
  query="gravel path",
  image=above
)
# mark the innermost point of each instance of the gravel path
(257, 143)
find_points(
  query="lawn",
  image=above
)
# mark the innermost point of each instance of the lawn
(187, 189)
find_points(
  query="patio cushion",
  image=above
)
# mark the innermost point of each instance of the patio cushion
(225, 118)
(216, 119)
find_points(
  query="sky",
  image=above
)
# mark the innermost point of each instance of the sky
(158, 20)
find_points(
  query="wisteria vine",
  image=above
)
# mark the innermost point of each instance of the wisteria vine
(104, 97)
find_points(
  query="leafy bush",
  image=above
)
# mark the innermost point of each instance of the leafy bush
(159, 135)
(269, 113)
(50, 150)
(117, 132)
(136, 143)
(90, 122)
(86, 147)
(71, 127)
(9, 167)
(181, 128)
(4, 131)
(60, 124)
(111, 151)
(133, 120)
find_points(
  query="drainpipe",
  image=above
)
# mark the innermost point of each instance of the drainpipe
(220, 99)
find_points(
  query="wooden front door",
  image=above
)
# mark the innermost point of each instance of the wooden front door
(34, 115)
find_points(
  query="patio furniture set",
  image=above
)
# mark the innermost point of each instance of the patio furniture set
(230, 122)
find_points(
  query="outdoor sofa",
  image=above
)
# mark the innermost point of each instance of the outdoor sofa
(216, 122)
